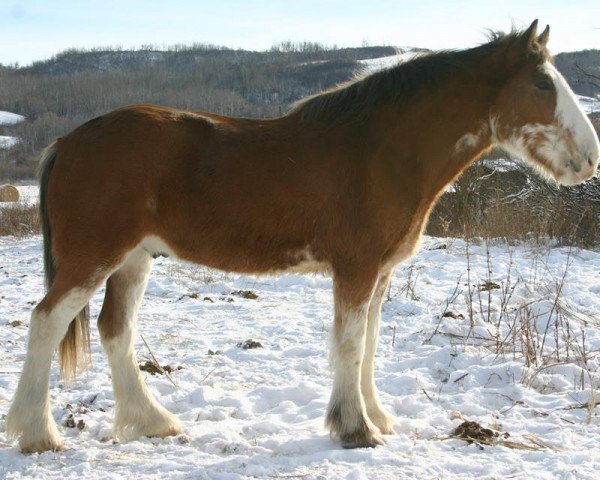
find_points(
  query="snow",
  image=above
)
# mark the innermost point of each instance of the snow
(373, 64)
(9, 118)
(589, 104)
(28, 195)
(259, 413)
(8, 142)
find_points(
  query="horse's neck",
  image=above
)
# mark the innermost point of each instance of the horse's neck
(440, 136)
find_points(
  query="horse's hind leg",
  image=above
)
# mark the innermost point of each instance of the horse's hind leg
(29, 415)
(137, 413)
(384, 421)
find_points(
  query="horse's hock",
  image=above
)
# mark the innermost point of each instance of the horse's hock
(9, 193)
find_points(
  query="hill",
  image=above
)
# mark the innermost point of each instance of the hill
(58, 94)
(582, 71)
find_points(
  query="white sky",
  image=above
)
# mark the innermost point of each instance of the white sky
(37, 29)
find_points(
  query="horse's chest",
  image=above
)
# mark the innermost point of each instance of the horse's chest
(405, 248)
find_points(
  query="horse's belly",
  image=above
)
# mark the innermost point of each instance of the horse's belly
(267, 262)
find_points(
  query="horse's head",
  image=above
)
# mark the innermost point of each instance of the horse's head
(537, 117)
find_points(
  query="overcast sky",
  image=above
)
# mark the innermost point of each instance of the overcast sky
(37, 29)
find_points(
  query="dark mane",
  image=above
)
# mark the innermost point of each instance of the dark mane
(401, 83)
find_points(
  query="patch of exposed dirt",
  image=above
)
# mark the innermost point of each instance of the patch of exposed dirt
(154, 368)
(487, 286)
(249, 344)
(473, 432)
(451, 314)
(71, 421)
(249, 294)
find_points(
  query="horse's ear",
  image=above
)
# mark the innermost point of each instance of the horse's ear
(522, 46)
(530, 35)
(543, 38)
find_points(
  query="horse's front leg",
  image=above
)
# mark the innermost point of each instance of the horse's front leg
(347, 415)
(384, 421)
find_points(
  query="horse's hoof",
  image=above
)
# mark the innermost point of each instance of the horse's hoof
(156, 423)
(362, 440)
(41, 445)
(384, 422)
(171, 431)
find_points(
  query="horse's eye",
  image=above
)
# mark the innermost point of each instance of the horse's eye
(544, 84)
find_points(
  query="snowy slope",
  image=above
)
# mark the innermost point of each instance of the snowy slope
(589, 104)
(259, 413)
(373, 64)
(8, 118)
(7, 141)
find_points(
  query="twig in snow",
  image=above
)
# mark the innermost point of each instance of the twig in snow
(162, 370)
(450, 300)
(426, 394)
(423, 390)
(208, 375)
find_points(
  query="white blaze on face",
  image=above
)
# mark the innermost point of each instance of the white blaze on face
(567, 148)
(583, 153)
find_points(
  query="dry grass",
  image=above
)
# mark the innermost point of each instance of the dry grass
(19, 220)
(527, 320)
(515, 205)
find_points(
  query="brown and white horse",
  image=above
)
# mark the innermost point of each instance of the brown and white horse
(344, 184)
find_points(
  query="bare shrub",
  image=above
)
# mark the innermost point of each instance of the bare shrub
(525, 317)
(19, 220)
(492, 202)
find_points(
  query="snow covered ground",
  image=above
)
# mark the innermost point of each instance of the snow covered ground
(258, 413)
(373, 64)
(9, 118)
(28, 196)
(7, 141)
(589, 104)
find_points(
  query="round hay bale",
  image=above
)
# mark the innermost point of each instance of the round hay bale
(9, 193)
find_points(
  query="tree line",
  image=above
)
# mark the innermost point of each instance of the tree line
(59, 94)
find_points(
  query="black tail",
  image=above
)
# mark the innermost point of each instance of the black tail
(74, 348)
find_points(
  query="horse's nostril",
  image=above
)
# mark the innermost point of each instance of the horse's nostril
(590, 161)
(576, 168)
